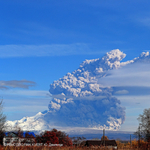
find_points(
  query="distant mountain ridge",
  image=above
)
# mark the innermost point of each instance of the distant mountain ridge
(80, 101)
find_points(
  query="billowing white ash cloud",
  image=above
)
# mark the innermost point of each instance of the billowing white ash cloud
(79, 100)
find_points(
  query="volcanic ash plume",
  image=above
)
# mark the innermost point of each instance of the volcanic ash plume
(80, 101)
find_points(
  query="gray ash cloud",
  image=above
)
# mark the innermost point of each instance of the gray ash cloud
(79, 100)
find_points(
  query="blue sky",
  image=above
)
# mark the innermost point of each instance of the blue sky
(42, 40)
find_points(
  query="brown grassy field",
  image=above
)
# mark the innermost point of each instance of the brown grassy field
(64, 148)
(121, 146)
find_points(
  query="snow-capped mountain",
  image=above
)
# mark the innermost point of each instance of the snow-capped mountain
(80, 100)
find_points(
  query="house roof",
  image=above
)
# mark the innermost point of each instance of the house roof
(15, 134)
(11, 134)
(99, 142)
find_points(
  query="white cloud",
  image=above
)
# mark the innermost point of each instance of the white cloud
(16, 84)
(44, 50)
(122, 92)
(132, 75)
(37, 93)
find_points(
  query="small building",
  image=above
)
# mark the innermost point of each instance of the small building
(108, 143)
(14, 138)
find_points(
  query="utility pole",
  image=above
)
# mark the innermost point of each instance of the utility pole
(139, 136)
(130, 141)
(104, 136)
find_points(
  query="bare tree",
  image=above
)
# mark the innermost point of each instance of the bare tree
(2, 117)
(143, 131)
(2, 122)
(78, 140)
